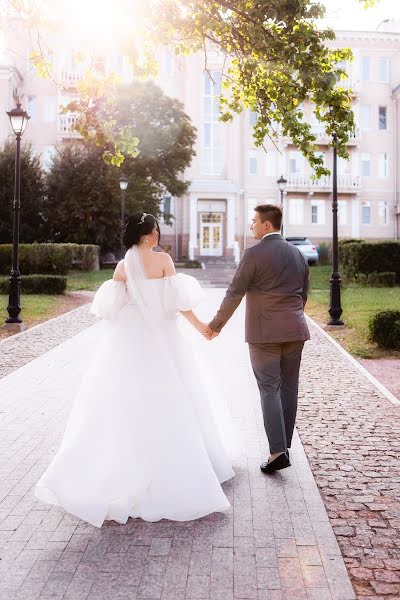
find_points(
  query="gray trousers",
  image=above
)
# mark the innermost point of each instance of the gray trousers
(276, 368)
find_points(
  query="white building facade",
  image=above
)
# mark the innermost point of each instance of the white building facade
(229, 176)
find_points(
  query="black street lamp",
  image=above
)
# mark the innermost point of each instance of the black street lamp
(19, 119)
(123, 184)
(282, 185)
(335, 308)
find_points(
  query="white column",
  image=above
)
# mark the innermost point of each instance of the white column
(355, 217)
(230, 221)
(193, 226)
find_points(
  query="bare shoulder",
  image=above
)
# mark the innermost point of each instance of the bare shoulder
(119, 273)
(167, 262)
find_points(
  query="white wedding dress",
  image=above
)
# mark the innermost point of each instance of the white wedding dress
(146, 436)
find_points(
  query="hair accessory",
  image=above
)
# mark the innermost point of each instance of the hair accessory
(144, 215)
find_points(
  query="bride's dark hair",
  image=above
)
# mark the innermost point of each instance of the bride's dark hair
(138, 225)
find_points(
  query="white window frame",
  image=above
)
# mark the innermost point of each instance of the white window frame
(162, 207)
(384, 69)
(320, 212)
(212, 152)
(297, 157)
(385, 118)
(383, 164)
(366, 160)
(383, 211)
(365, 68)
(365, 204)
(296, 211)
(252, 162)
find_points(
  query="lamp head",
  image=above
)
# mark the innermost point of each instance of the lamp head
(19, 119)
(123, 182)
(282, 183)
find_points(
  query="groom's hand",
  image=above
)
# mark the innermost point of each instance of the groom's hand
(211, 334)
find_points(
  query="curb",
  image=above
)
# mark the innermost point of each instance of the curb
(391, 397)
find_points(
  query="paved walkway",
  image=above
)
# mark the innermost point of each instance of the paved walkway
(276, 543)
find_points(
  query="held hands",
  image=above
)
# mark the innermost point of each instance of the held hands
(206, 331)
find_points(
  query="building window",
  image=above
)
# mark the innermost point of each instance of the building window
(365, 68)
(295, 162)
(384, 69)
(253, 117)
(382, 117)
(212, 142)
(166, 209)
(296, 211)
(271, 170)
(253, 162)
(383, 213)
(31, 107)
(383, 164)
(318, 212)
(366, 213)
(365, 114)
(366, 165)
(343, 165)
(342, 212)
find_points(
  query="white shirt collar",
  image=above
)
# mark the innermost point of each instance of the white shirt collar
(272, 233)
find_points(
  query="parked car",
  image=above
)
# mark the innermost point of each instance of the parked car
(306, 248)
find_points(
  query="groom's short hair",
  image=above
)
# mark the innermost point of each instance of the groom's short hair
(271, 213)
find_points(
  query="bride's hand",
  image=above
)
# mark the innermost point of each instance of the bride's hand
(203, 329)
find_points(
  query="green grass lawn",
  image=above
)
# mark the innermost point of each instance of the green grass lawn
(78, 280)
(359, 304)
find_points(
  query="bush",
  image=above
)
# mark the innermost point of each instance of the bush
(387, 279)
(54, 259)
(37, 284)
(365, 257)
(384, 329)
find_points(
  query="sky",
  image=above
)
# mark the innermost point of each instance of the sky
(350, 14)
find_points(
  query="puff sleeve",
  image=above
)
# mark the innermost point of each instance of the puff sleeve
(182, 292)
(109, 299)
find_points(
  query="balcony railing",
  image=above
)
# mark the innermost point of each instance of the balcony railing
(321, 135)
(350, 84)
(70, 78)
(66, 124)
(305, 182)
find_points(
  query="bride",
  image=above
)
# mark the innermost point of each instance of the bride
(143, 438)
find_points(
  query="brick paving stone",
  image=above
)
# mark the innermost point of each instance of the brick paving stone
(275, 543)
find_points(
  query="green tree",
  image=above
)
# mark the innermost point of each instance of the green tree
(83, 190)
(32, 195)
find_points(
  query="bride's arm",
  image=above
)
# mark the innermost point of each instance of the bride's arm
(119, 273)
(195, 321)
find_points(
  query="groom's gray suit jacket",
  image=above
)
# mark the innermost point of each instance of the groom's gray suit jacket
(274, 276)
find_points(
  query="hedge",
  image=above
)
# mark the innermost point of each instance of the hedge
(384, 329)
(366, 257)
(55, 259)
(385, 279)
(37, 284)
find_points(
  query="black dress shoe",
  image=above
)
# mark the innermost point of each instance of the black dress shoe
(281, 462)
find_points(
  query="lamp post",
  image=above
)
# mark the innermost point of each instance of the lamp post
(123, 184)
(19, 119)
(282, 185)
(335, 308)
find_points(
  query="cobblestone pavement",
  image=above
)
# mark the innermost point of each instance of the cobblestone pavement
(351, 435)
(19, 349)
(276, 542)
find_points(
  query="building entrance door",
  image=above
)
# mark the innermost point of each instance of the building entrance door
(211, 234)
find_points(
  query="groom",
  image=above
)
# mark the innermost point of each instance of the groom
(274, 276)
